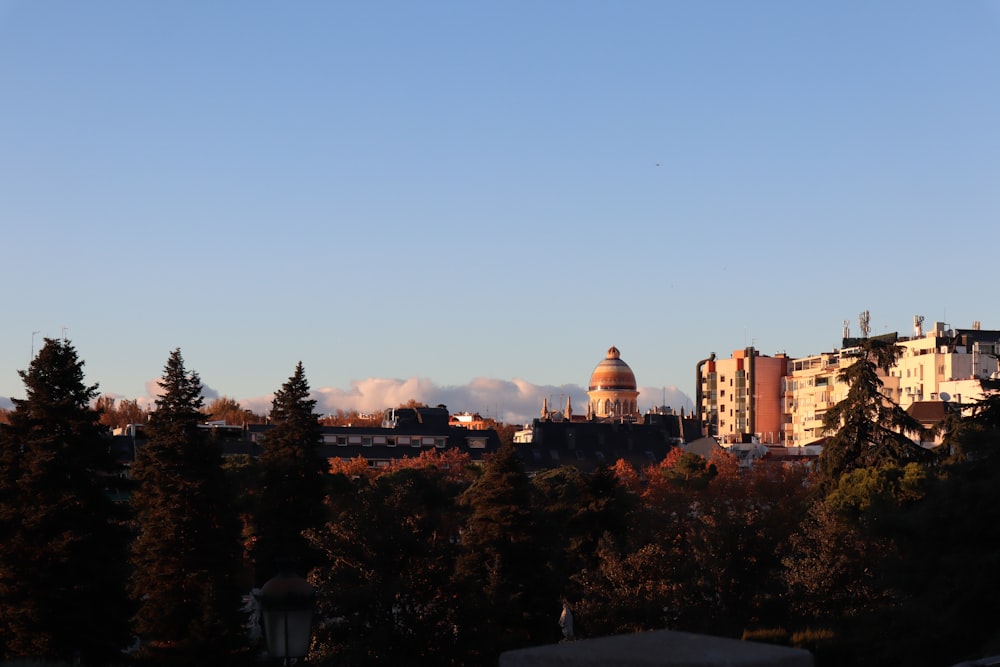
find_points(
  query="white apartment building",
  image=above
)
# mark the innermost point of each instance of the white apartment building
(945, 364)
(942, 365)
(810, 389)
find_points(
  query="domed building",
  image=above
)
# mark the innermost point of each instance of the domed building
(612, 391)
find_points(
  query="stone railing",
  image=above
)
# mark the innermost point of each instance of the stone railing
(662, 648)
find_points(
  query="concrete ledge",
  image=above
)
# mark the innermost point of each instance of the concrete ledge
(661, 648)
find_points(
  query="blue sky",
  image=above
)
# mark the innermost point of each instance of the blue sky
(469, 202)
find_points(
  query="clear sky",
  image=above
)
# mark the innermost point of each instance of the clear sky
(469, 202)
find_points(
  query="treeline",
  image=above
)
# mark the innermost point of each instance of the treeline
(885, 556)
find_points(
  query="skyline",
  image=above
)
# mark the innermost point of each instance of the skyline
(484, 198)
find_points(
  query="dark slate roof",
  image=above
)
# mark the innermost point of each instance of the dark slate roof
(892, 337)
(590, 444)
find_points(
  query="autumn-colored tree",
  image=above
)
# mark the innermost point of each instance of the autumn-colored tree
(120, 413)
(628, 591)
(741, 524)
(230, 411)
(627, 476)
(351, 468)
(389, 550)
(454, 464)
(674, 478)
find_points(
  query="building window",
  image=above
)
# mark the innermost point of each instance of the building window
(366, 441)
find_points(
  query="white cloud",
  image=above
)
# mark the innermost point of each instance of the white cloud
(511, 401)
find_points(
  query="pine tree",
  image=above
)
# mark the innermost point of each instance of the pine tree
(868, 428)
(186, 556)
(293, 484)
(63, 540)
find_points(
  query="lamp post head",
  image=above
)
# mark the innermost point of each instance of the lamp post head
(286, 608)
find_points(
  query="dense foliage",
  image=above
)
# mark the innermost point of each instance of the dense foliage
(889, 555)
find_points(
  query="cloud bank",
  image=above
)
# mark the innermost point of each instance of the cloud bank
(510, 401)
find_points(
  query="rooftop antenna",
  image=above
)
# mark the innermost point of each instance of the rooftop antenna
(864, 321)
(64, 333)
(918, 326)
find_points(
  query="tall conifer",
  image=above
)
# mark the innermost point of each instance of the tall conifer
(868, 428)
(293, 484)
(508, 599)
(63, 540)
(186, 555)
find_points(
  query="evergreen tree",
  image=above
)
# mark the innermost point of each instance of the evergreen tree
(186, 555)
(508, 600)
(293, 484)
(869, 429)
(63, 540)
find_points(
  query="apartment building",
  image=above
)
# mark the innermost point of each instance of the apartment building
(742, 396)
(736, 402)
(809, 390)
(945, 364)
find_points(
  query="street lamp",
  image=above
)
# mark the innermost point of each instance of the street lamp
(286, 608)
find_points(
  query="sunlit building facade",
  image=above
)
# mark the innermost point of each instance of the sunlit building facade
(741, 397)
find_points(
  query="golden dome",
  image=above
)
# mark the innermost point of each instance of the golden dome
(612, 374)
